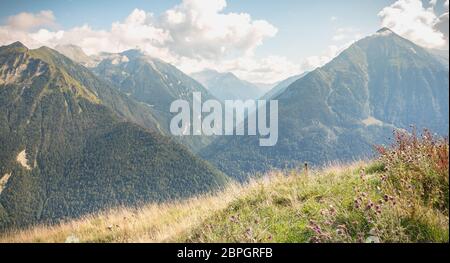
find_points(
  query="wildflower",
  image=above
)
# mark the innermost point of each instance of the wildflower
(318, 230)
(378, 209)
(369, 205)
(332, 210)
(315, 240)
(357, 203)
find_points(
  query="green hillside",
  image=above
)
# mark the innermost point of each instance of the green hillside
(67, 150)
(339, 111)
(401, 196)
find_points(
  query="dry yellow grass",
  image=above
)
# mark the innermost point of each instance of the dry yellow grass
(151, 223)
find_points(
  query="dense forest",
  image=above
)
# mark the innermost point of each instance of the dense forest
(81, 155)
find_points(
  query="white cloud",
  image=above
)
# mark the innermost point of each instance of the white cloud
(433, 3)
(342, 39)
(262, 70)
(199, 29)
(313, 62)
(346, 34)
(412, 20)
(136, 31)
(199, 34)
(26, 21)
(193, 34)
(195, 29)
(18, 27)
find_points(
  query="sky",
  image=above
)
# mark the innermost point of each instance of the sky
(258, 40)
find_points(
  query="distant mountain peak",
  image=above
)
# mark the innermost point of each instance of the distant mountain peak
(385, 29)
(133, 53)
(227, 86)
(17, 44)
(230, 75)
(380, 83)
(15, 47)
(76, 53)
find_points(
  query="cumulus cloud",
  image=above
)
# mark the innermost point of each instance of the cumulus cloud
(195, 29)
(411, 19)
(26, 21)
(136, 31)
(18, 27)
(199, 29)
(193, 34)
(199, 34)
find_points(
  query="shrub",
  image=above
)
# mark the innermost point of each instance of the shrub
(417, 168)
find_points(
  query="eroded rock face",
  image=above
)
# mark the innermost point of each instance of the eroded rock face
(22, 159)
(3, 181)
(20, 69)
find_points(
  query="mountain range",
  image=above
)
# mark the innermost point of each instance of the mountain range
(80, 134)
(340, 111)
(227, 86)
(71, 144)
(153, 83)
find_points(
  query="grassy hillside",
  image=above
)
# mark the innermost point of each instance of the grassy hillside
(400, 197)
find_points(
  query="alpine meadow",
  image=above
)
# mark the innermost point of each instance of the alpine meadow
(224, 121)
